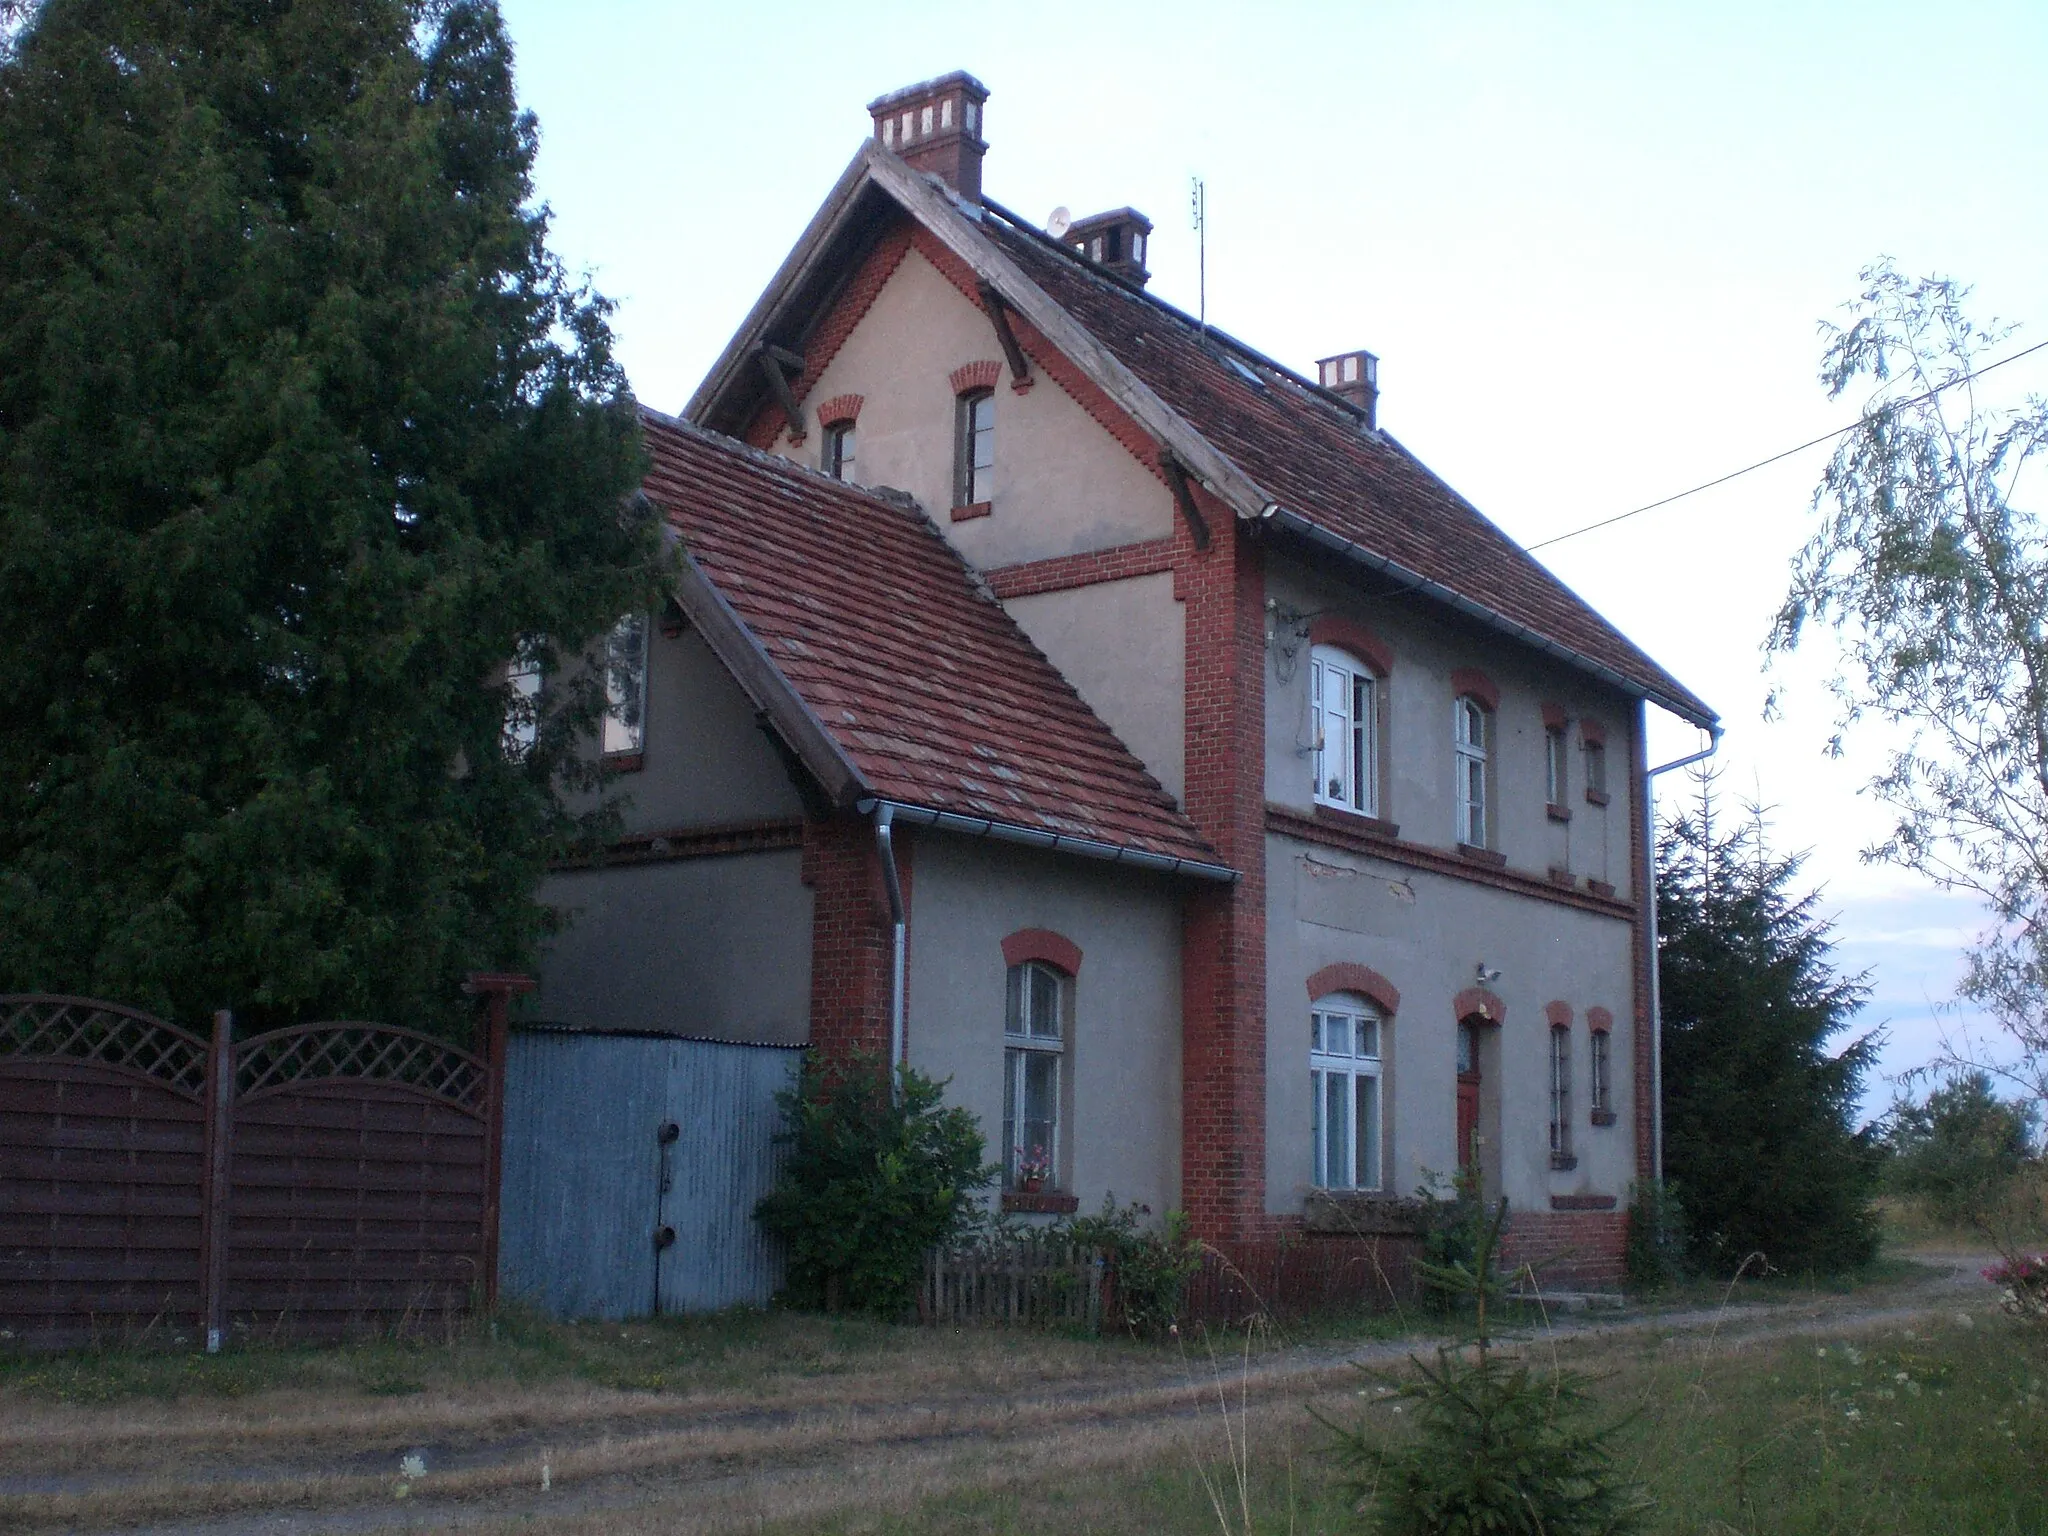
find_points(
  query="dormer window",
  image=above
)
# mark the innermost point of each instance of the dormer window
(838, 451)
(975, 449)
(1345, 702)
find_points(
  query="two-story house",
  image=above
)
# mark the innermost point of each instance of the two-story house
(1081, 705)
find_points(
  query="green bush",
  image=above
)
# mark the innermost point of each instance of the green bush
(1958, 1149)
(871, 1182)
(1655, 1253)
(1496, 1447)
(1454, 1231)
(1149, 1266)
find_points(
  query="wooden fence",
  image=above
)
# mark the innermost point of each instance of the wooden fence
(1052, 1282)
(306, 1182)
(1023, 1282)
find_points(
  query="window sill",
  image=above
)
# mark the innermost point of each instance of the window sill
(1559, 875)
(1596, 797)
(1600, 887)
(1562, 1162)
(1604, 1117)
(1362, 1213)
(1490, 857)
(1557, 812)
(1583, 1202)
(972, 510)
(1044, 1202)
(1356, 821)
(625, 762)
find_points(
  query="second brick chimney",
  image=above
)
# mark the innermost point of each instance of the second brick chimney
(1116, 240)
(1353, 377)
(936, 126)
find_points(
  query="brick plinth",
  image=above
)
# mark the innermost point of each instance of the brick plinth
(1569, 1250)
(850, 935)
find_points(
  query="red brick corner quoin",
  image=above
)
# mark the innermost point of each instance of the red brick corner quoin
(1055, 949)
(1362, 979)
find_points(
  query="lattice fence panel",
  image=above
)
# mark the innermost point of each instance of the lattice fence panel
(361, 1053)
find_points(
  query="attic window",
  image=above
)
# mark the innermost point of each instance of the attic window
(1244, 372)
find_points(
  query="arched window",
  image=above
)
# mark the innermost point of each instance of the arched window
(1034, 1050)
(1345, 696)
(1472, 727)
(1344, 1092)
(838, 451)
(974, 457)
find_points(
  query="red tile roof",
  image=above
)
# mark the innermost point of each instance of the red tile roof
(1310, 455)
(928, 687)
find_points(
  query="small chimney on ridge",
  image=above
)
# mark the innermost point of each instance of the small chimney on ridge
(1354, 377)
(936, 126)
(1115, 241)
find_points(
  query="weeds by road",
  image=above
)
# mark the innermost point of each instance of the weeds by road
(780, 1422)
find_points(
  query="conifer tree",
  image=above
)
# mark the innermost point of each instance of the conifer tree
(1760, 1137)
(303, 433)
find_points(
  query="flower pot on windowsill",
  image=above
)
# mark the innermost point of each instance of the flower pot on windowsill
(1030, 1185)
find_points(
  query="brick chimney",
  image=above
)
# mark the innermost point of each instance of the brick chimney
(936, 126)
(1115, 241)
(1355, 377)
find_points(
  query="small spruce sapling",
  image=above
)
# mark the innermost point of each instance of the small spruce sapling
(1496, 1446)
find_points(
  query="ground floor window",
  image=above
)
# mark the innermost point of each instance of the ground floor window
(1344, 1093)
(1034, 1046)
(1560, 1094)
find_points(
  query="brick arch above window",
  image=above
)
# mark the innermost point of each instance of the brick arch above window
(1349, 635)
(1599, 1020)
(1559, 1015)
(1592, 733)
(1478, 1003)
(969, 377)
(1471, 683)
(840, 409)
(1362, 979)
(1553, 717)
(1055, 949)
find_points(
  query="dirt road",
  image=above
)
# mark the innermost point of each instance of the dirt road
(584, 1459)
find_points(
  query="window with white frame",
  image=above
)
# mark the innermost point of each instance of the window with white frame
(837, 460)
(522, 703)
(1596, 771)
(1034, 1046)
(1602, 1083)
(1560, 1095)
(1554, 764)
(1346, 731)
(974, 471)
(1472, 729)
(625, 687)
(1344, 1093)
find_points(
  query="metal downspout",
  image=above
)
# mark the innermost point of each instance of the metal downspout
(1650, 906)
(885, 845)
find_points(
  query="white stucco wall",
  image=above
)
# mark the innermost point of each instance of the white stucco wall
(1063, 484)
(715, 947)
(1417, 737)
(1426, 933)
(1122, 1111)
(1123, 645)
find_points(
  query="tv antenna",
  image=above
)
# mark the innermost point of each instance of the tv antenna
(1198, 207)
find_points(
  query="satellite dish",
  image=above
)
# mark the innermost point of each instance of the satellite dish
(1059, 222)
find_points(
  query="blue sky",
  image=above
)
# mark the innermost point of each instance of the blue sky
(1590, 243)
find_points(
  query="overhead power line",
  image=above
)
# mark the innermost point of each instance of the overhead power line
(1826, 437)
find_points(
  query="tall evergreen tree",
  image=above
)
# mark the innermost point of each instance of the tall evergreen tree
(1760, 1136)
(303, 433)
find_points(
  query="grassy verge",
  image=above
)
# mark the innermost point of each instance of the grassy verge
(520, 1350)
(1889, 1433)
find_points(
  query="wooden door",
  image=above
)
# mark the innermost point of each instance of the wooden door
(1468, 1095)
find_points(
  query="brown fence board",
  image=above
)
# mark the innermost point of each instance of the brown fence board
(351, 1193)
